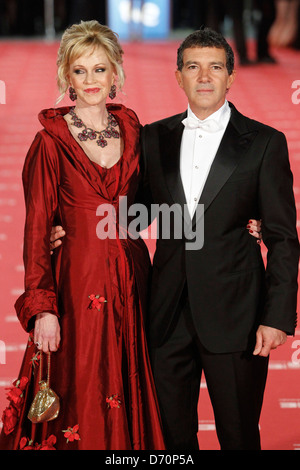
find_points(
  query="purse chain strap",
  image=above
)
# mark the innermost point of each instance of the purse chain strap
(48, 368)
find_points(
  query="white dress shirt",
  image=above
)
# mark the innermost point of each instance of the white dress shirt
(198, 150)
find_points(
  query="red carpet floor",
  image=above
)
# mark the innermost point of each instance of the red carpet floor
(262, 92)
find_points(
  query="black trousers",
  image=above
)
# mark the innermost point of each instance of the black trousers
(235, 384)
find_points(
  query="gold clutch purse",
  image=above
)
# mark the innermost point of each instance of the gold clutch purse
(45, 406)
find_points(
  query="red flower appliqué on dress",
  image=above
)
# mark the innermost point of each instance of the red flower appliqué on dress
(71, 434)
(48, 444)
(113, 401)
(9, 418)
(96, 301)
(30, 341)
(11, 413)
(35, 358)
(15, 394)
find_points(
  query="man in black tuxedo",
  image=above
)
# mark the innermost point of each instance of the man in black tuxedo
(216, 309)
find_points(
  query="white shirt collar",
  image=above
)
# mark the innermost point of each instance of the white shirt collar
(221, 116)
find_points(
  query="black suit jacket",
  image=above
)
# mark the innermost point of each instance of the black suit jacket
(230, 291)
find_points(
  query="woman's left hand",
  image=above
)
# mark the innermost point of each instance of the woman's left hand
(254, 229)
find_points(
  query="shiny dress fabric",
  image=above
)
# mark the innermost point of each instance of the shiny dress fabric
(101, 371)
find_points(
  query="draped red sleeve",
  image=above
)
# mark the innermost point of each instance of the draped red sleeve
(40, 182)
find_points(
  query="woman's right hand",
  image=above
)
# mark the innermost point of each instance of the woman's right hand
(47, 332)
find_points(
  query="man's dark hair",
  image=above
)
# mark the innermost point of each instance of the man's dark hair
(206, 37)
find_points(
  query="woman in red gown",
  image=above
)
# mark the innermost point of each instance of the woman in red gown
(84, 304)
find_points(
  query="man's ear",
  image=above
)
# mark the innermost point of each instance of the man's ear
(231, 79)
(178, 77)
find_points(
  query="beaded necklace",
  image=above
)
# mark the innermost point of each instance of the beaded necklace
(89, 133)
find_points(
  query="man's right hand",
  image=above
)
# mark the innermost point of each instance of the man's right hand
(57, 233)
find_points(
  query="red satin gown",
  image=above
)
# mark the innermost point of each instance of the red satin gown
(97, 288)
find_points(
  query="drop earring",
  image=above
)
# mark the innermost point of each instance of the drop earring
(72, 94)
(112, 93)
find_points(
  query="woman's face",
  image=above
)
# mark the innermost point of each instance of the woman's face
(92, 75)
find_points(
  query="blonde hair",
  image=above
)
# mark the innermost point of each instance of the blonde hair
(79, 38)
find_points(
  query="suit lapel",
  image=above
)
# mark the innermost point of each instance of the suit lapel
(236, 140)
(170, 143)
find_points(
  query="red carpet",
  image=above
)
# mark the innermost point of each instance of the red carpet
(262, 92)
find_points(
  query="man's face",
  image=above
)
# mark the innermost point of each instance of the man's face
(204, 79)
